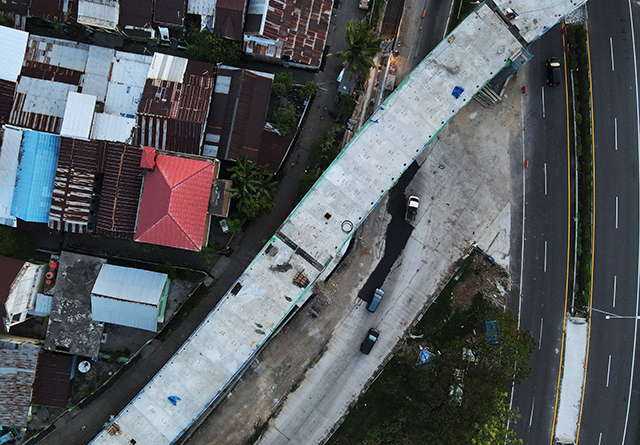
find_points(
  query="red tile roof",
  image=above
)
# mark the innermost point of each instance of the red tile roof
(148, 157)
(175, 199)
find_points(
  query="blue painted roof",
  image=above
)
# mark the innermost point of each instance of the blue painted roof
(35, 176)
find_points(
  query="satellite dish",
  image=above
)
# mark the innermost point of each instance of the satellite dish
(84, 366)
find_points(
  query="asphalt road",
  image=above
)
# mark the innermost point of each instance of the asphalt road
(610, 410)
(546, 233)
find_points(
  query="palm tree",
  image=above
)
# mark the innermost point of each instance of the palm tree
(364, 44)
(250, 182)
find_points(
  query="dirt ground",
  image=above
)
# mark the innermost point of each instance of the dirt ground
(486, 278)
(281, 367)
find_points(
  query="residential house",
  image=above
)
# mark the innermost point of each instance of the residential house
(223, 17)
(130, 297)
(20, 283)
(18, 361)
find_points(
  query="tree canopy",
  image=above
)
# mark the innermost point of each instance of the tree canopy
(206, 46)
(364, 44)
(254, 188)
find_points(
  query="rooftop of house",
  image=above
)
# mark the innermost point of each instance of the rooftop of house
(18, 362)
(71, 328)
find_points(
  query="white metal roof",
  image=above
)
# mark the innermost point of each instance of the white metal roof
(318, 229)
(8, 167)
(96, 75)
(99, 13)
(24, 289)
(166, 67)
(128, 77)
(57, 52)
(78, 115)
(42, 97)
(109, 127)
(127, 283)
(202, 7)
(13, 44)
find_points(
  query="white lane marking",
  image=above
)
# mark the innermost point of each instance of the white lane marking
(635, 333)
(615, 287)
(615, 131)
(524, 212)
(608, 371)
(613, 65)
(545, 256)
(533, 405)
(543, 110)
(600, 439)
(545, 178)
(616, 212)
(540, 341)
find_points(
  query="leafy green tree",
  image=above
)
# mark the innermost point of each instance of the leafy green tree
(348, 106)
(364, 44)
(308, 90)
(282, 84)
(252, 186)
(206, 46)
(15, 244)
(324, 150)
(307, 180)
(6, 20)
(286, 119)
(495, 431)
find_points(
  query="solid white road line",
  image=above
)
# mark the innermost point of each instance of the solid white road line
(545, 256)
(608, 371)
(635, 333)
(540, 340)
(616, 212)
(533, 405)
(545, 178)
(615, 131)
(613, 65)
(600, 439)
(615, 287)
(543, 110)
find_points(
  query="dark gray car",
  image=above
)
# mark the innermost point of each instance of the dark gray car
(369, 341)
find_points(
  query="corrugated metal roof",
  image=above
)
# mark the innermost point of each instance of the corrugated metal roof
(96, 77)
(35, 176)
(128, 77)
(229, 18)
(52, 380)
(99, 13)
(78, 115)
(273, 149)
(175, 200)
(138, 13)
(43, 306)
(166, 67)
(109, 127)
(172, 115)
(18, 362)
(51, 10)
(201, 7)
(129, 284)
(124, 313)
(13, 44)
(57, 52)
(300, 26)
(169, 13)
(121, 190)
(8, 169)
(256, 17)
(238, 112)
(78, 163)
(24, 292)
(7, 91)
(40, 104)
(20, 7)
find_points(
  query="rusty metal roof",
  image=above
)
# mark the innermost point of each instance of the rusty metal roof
(229, 18)
(53, 375)
(238, 111)
(50, 10)
(7, 91)
(170, 13)
(17, 370)
(273, 149)
(16, 6)
(78, 163)
(121, 189)
(137, 13)
(172, 115)
(300, 26)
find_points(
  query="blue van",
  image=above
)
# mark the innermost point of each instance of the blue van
(375, 301)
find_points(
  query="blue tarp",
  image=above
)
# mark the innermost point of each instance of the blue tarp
(35, 176)
(493, 331)
(424, 361)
